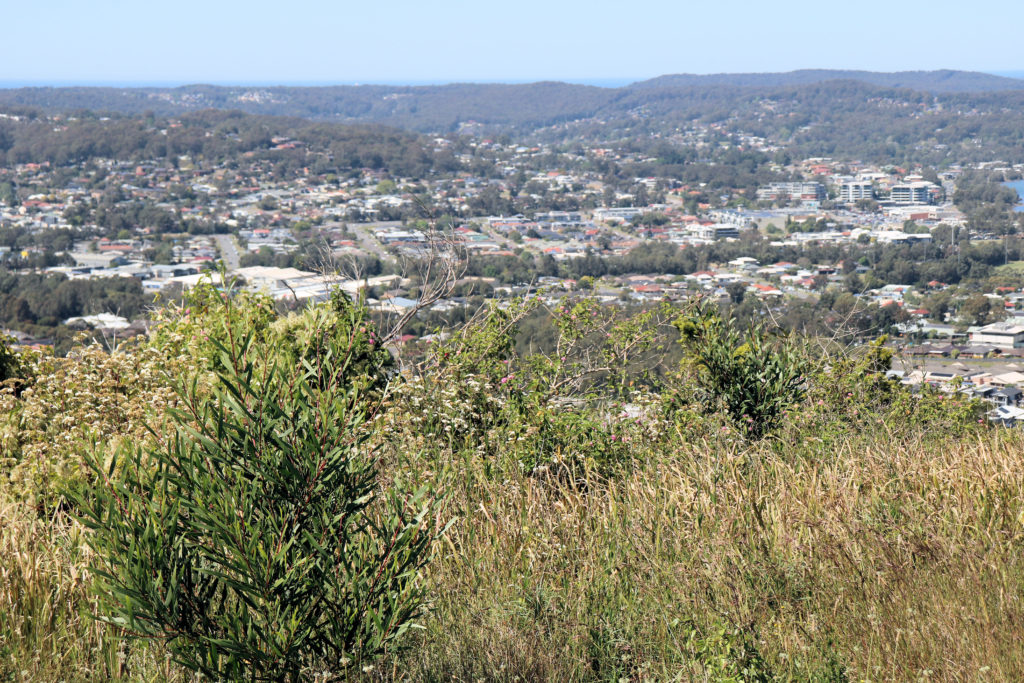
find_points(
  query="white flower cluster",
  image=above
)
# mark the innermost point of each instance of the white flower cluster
(73, 404)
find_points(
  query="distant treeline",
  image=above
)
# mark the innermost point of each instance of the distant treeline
(37, 303)
(218, 136)
(928, 117)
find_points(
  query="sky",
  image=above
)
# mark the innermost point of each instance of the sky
(401, 41)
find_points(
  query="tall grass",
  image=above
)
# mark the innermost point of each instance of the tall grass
(879, 560)
(882, 559)
(47, 626)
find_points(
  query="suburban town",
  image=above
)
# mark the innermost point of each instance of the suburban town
(169, 227)
(299, 238)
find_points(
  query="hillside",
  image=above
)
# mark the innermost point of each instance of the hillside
(941, 81)
(425, 108)
(520, 107)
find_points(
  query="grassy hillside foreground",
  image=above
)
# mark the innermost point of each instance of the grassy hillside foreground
(871, 536)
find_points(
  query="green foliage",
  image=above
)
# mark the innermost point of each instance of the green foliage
(260, 541)
(10, 363)
(37, 302)
(202, 322)
(753, 377)
(66, 406)
(849, 392)
(298, 337)
(565, 439)
(558, 408)
(730, 656)
(279, 526)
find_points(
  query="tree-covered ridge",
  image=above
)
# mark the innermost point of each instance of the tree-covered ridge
(216, 136)
(942, 80)
(928, 116)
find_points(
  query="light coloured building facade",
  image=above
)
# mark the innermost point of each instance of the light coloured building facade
(1003, 335)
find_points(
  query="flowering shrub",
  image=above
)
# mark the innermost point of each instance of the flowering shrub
(297, 338)
(71, 404)
(190, 332)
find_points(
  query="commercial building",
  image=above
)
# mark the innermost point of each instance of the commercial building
(804, 192)
(921, 192)
(1002, 335)
(716, 231)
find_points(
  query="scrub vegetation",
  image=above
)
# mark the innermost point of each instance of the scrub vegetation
(250, 496)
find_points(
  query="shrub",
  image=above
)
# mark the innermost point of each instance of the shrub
(259, 541)
(67, 404)
(190, 331)
(298, 338)
(849, 391)
(754, 377)
(556, 411)
(10, 365)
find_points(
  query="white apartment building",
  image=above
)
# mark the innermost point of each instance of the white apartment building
(857, 189)
(793, 191)
(912, 193)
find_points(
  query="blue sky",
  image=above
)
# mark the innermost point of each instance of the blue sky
(319, 41)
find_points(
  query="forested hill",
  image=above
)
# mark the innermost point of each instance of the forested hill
(222, 136)
(520, 106)
(421, 108)
(942, 81)
(936, 117)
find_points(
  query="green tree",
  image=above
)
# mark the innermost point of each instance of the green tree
(261, 542)
(980, 310)
(7, 194)
(736, 290)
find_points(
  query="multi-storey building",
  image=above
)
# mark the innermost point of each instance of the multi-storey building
(799, 191)
(854, 190)
(921, 192)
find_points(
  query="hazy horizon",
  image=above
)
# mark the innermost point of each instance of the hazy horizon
(596, 82)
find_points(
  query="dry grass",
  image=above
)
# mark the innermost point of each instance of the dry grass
(47, 632)
(880, 560)
(884, 561)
